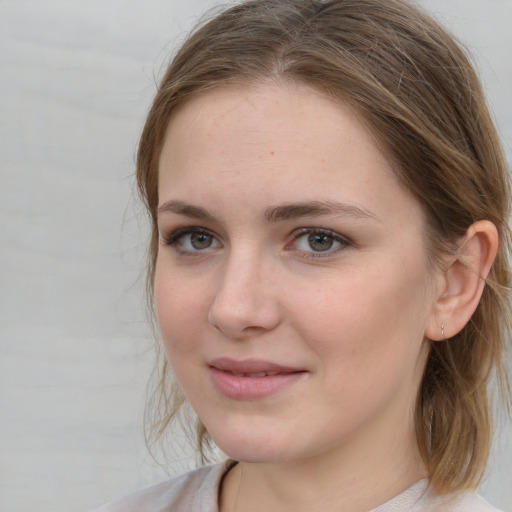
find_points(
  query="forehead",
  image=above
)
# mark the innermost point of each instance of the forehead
(290, 116)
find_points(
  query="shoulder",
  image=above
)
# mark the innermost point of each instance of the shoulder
(473, 502)
(196, 490)
(459, 502)
(420, 498)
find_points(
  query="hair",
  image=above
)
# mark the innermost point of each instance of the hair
(415, 87)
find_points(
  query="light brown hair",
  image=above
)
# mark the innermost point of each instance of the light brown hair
(418, 92)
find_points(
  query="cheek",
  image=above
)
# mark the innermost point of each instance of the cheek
(367, 335)
(179, 309)
(364, 317)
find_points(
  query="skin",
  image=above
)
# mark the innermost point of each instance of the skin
(354, 318)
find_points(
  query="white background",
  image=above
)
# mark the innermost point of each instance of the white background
(76, 79)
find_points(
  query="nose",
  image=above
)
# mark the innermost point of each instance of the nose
(245, 302)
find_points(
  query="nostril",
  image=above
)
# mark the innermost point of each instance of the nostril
(251, 317)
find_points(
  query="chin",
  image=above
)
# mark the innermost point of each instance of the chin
(252, 446)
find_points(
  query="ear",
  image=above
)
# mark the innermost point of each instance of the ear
(462, 284)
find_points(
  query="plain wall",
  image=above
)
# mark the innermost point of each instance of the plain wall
(76, 79)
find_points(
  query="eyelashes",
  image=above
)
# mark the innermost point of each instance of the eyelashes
(307, 242)
(191, 239)
(317, 242)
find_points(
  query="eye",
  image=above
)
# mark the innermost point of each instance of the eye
(319, 242)
(192, 239)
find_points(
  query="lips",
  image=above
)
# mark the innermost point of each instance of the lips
(252, 379)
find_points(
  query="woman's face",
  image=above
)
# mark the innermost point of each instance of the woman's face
(292, 285)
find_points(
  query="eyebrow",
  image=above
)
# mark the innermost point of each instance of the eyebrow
(188, 210)
(316, 208)
(277, 213)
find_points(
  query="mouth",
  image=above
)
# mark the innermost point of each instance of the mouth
(252, 379)
(251, 367)
(254, 374)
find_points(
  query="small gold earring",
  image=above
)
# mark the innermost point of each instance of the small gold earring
(442, 332)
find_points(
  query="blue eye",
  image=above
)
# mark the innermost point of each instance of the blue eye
(318, 241)
(192, 239)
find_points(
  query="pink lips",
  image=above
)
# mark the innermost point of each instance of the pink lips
(251, 379)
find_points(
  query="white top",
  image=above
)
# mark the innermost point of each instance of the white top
(197, 491)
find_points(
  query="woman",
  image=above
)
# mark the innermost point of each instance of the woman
(329, 259)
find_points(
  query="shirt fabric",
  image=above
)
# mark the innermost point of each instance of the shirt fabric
(197, 491)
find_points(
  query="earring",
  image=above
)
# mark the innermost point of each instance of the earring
(442, 333)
